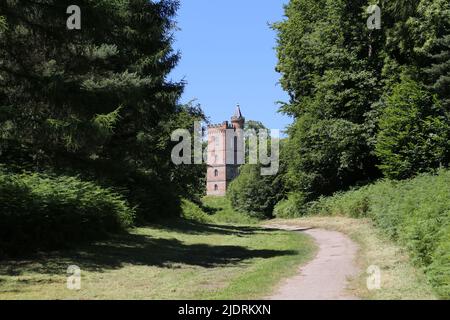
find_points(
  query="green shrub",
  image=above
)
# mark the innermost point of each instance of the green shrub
(415, 212)
(291, 207)
(39, 212)
(439, 269)
(354, 203)
(253, 193)
(192, 211)
(220, 211)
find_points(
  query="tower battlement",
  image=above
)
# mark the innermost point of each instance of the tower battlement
(223, 125)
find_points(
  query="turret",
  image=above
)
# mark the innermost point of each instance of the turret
(237, 119)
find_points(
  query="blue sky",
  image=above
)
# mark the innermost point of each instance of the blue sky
(228, 57)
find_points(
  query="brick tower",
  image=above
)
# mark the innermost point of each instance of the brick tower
(222, 170)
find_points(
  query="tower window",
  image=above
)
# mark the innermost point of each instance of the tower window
(216, 187)
(216, 173)
(235, 150)
(217, 142)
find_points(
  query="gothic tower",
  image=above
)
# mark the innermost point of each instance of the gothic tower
(221, 169)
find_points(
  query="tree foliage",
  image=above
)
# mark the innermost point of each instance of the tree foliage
(94, 101)
(2, 23)
(253, 193)
(325, 155)
(345, 85)
(414, 132)
(330, 67)
(440, 70)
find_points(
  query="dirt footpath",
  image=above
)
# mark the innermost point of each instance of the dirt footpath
(326, 276)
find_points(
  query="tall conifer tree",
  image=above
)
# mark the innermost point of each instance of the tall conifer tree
(97, 100)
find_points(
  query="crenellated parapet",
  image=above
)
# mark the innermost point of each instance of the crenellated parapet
(223, 125)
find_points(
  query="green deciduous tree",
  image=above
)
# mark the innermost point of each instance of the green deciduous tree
(338, 74)
(331, 65)
(440, 70)
(325, 155)
(414, 132)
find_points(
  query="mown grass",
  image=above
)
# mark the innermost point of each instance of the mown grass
(221, 211)
(180, 259)
(400, 279)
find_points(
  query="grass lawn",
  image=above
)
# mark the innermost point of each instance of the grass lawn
(177, 260)
(220, 211)
(400, 280)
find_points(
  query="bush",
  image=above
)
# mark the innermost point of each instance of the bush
(220, 211)
(192, 211)
(253, 193)
(353, 203)
(415, 213)
(439, 269)
(39, 211)
(291, 207)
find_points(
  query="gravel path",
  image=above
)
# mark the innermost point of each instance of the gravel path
(325, 277)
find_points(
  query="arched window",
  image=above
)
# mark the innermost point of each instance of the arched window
(216, 173)
(216, 187)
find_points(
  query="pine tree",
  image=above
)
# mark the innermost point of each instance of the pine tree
(94, 101)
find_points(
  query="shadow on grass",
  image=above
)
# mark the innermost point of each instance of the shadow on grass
(195, 228)
(208, 209)
(144, 250)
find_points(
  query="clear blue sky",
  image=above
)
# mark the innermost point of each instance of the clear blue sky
(228, 57)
